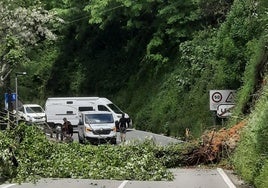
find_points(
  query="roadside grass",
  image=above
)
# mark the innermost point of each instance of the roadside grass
(251, 156)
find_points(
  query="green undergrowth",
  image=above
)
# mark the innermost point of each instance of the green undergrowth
(251, 156)
(26, 155)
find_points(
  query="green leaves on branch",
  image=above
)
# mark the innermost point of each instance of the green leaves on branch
(38, 157)
(22, 28)
(163, 24)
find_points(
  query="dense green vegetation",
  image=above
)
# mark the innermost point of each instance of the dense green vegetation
(28, 155)
(155, 59)
(251, 157)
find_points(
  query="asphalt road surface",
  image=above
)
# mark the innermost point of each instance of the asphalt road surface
(184, 178)
(140, 136)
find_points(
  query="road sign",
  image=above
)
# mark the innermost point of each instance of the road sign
(218, 97)
(9, 98)
(224, 110)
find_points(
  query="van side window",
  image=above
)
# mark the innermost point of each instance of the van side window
(114, 108)
(103, 108)
(85, 108)
(69, 102)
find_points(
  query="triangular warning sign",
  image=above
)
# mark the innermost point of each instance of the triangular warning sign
(230, 98)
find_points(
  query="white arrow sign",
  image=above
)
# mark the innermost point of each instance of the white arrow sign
(224, 110)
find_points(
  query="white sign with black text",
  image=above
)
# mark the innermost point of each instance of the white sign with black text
(220, 97)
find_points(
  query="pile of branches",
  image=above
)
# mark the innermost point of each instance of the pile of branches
(215, 145)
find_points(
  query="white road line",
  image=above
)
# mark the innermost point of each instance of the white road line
(226, 178)
(6, 186)
(123, 184)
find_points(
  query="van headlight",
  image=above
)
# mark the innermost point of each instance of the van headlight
(114, 129)
(30, 118)
(87, 129)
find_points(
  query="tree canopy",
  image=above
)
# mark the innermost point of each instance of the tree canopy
(23, 25)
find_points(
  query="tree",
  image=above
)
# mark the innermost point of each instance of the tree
(23, 26)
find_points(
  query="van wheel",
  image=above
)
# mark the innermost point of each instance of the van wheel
(113, 141)
(81, 140)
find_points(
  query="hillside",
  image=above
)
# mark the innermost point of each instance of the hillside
(156, 60)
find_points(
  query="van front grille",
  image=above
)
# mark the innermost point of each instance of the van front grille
(102, 131)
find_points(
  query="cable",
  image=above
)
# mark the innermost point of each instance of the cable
(84, 17)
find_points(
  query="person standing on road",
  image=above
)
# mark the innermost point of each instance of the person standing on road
(123, 127)
(67, 129)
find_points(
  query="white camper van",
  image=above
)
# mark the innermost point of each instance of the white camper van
(57, 108)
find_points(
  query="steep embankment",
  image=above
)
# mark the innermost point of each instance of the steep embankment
(251, 156)
(234, 57)
(222, 57)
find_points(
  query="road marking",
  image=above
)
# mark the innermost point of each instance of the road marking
(123, 184)
(7, 186)
(226, 178)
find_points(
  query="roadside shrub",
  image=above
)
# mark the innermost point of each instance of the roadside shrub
(30, 155)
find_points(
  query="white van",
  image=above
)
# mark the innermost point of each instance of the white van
(57, 108)
(32, 113)
(97, 127)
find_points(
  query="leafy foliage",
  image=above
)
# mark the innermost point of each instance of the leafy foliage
(163, 61)
(23, 27)
(251, 154)
(28, 154)
(156, 59)
(261, 180)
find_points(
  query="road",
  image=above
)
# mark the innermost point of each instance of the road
(184, 178)
(133, 134)
(138, 135)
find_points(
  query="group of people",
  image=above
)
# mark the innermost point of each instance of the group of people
(66, 131)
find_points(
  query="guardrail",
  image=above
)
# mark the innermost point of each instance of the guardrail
(7, 119)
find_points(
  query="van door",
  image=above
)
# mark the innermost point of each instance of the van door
(56, 112)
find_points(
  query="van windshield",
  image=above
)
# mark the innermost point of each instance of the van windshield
(99, 118)
(115, 108)
(34, 109)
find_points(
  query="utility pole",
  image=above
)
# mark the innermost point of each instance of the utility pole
(16, 86)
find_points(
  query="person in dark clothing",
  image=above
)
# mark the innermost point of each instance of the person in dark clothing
(9, 101)
(123, 127)
(67, 129)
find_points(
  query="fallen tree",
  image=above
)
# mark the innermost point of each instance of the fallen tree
(214, 145)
